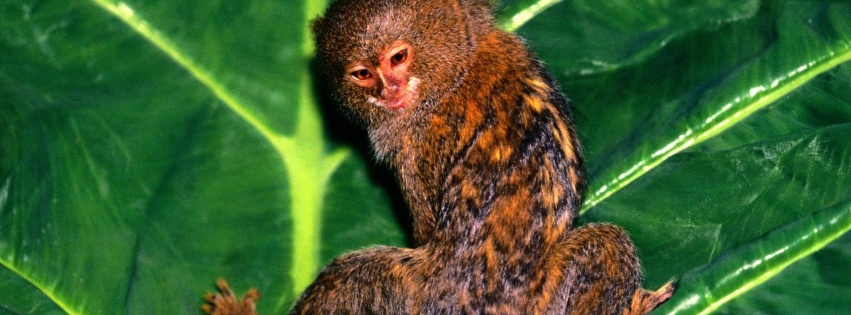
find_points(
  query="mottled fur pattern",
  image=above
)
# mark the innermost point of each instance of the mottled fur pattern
(489, 163)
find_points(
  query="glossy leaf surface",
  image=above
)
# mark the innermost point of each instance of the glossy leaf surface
(742, 140)
(150, 147)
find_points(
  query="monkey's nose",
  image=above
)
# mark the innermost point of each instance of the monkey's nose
(393, 84)
(391, 88)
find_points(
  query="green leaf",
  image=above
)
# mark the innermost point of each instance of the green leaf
(21, 297)
(730, 126)
(819, 284)
(151, 147)
(742, 269)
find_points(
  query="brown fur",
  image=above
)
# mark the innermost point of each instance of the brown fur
(489, 163)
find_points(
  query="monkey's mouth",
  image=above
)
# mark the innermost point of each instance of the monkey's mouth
(397, 99)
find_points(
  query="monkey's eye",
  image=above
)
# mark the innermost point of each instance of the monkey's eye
(399, 57)
(361, 74)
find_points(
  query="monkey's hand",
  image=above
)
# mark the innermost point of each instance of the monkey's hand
(226, 303)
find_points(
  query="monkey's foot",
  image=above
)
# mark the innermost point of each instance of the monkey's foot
(226, 303)
(645, 301)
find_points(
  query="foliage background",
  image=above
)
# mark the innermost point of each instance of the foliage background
(150, 147)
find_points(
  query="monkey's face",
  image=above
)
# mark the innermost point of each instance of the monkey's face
(385, 58)
(388, 82)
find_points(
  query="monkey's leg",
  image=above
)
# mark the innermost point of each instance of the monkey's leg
(371, 281)
(603, 274)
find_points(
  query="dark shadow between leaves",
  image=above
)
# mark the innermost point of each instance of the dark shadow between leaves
(342, 131)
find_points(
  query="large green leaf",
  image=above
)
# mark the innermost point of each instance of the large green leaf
(150, 147)
(735, 123)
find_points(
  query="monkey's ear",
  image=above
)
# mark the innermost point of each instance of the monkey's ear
(317, 25)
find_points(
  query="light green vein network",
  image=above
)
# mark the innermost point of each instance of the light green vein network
(717, 123)
(690, 136)
(312, 167)
(308, 165)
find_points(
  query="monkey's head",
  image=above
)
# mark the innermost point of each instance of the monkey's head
(386, 57)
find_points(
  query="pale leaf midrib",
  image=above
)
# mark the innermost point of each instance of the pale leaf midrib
(519, 18)
(309, 170)
(164, 44)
